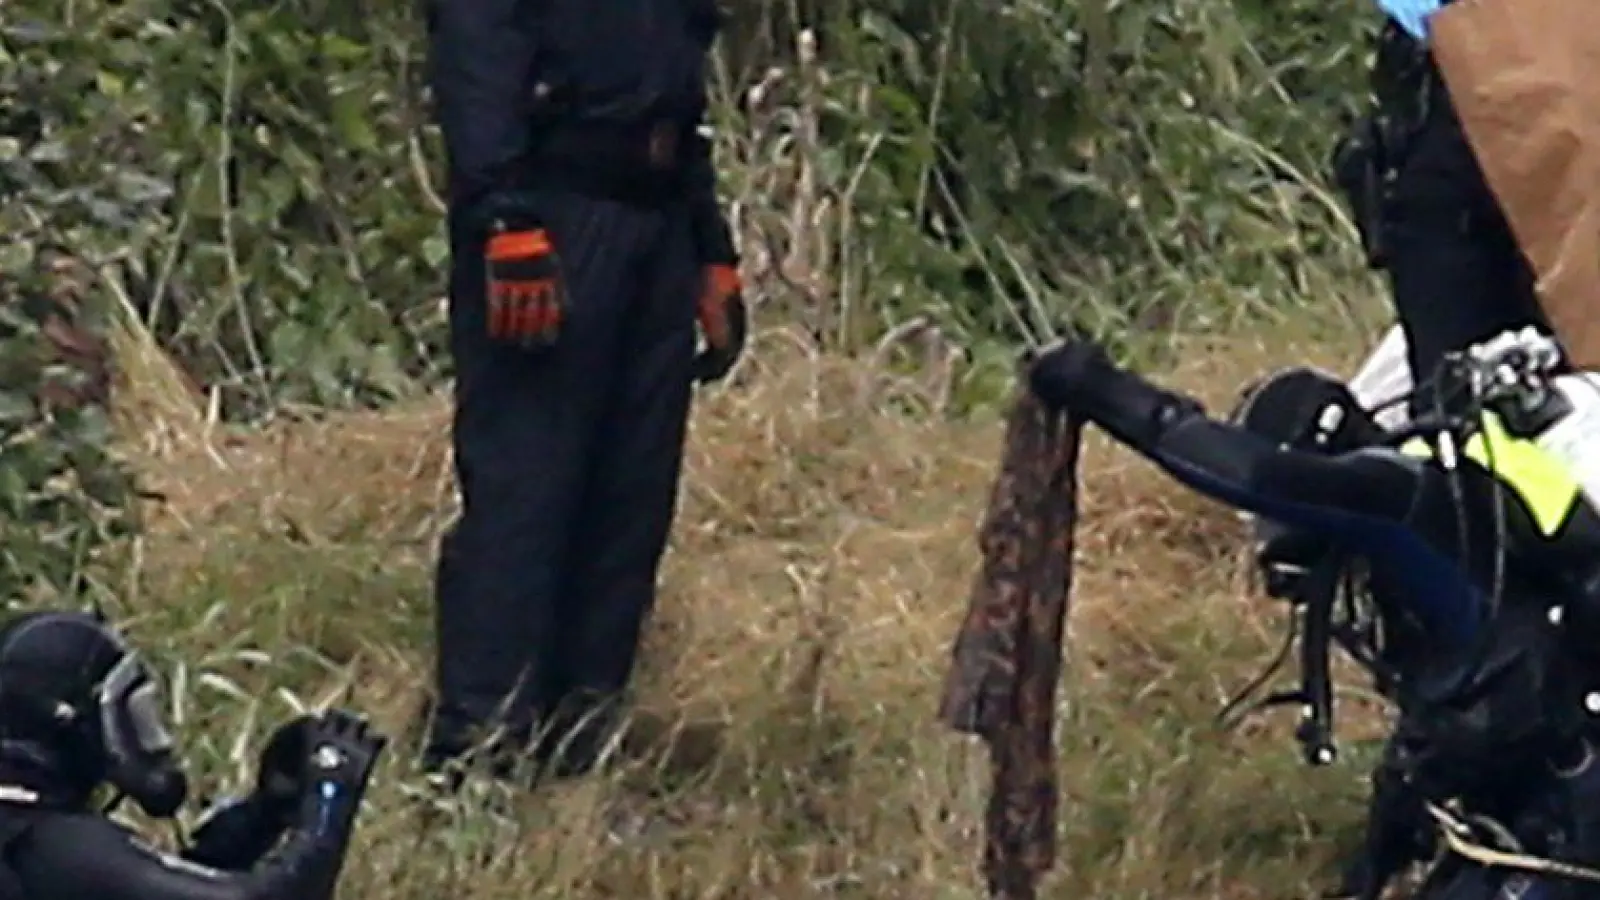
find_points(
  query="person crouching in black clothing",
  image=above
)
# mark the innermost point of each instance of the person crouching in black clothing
(80, 711)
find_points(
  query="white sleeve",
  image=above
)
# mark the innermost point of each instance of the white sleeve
(1384, 378)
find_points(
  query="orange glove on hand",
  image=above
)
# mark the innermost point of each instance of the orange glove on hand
(724, 324)
(527, 298)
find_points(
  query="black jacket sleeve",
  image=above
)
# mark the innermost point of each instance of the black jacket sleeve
(78, 857)
(712, 237)
(481, 55)
(236, 835)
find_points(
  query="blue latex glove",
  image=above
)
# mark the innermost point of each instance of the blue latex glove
(1411, 15)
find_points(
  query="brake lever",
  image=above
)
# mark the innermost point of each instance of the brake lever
(1515, 366)
(1315, 732)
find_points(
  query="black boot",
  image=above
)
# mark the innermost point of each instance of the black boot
(585, 729)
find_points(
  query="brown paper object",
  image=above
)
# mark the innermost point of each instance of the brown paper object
(1524, 76)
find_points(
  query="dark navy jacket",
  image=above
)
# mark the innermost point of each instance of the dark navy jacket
(497, 63)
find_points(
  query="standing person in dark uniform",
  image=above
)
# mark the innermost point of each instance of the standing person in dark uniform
(586, 240)
(1426, 215)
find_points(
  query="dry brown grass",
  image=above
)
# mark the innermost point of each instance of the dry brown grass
(821, 559)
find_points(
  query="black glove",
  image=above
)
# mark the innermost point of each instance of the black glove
(1065, 375)
(1080, 376)
(341, 752)
(235, 834)
(281, 767)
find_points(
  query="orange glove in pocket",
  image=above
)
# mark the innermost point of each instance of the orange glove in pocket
(723, 323)
(527, 296)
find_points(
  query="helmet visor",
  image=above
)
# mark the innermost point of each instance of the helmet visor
(130, 711)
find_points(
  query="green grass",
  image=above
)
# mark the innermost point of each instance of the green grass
(818, 571)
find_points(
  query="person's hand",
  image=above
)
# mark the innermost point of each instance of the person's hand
(1070, 372)
(526, 300)
(281, 767)
(1079, 376)
(724, 322)
(342, 750)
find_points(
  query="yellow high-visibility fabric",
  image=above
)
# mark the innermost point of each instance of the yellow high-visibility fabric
(1544, 482)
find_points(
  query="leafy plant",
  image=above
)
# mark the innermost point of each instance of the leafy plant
(260, 178)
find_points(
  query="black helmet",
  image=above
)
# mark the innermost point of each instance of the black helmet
(78, 709)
